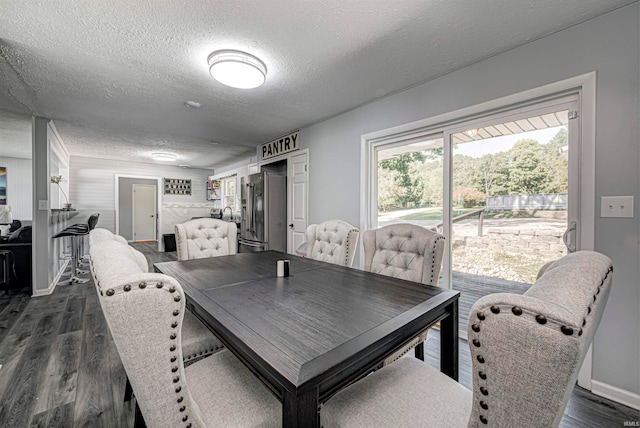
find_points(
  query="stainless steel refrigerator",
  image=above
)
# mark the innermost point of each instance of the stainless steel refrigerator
(264, 212)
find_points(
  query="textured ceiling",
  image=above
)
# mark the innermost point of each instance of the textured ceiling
(114, 75)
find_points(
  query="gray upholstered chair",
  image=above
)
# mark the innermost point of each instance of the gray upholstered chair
(409, 252)
(206, 237)
(145, 314)
(120, 261)
(332, 241)
(526, 351)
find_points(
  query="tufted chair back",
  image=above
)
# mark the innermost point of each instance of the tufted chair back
(332, 241)
(100, 234)
(527, 349)
(206, 237)
(145, 312)
(404, 251)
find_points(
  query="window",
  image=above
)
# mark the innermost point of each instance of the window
(229, 192)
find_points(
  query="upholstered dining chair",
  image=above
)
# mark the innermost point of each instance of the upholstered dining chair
(405, 251)
(108, 251)
(526, 352)
(145, 314)
(332, 241)
(206, 237)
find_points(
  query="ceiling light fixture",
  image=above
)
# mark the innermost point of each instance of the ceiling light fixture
(471, 132)
(237, 69)
(163, 156)
(193, 104)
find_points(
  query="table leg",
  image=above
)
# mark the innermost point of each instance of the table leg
(419, 351)
(300, 410)
(449, 342)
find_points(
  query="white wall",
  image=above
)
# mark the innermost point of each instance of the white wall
(19, 191)
(93, 185)
(610, 46)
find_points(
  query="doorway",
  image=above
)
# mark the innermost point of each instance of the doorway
(124, 200)
(144, 213)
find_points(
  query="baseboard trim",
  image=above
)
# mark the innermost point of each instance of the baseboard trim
(52, 286)
(46, 291)
(616, 394)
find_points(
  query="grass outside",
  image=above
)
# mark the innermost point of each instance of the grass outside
(435, 213)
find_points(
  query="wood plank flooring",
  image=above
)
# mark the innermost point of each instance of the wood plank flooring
(60, 367)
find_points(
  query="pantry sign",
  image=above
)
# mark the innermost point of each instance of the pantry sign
(285, 144)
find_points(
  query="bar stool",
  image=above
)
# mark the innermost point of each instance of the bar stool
(75, 235)
(84, 229)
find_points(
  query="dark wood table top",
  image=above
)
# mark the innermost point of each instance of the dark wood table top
(315, 330)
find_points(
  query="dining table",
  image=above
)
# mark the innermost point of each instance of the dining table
(311, 333)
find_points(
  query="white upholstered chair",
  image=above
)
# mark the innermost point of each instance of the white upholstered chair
(526, 351)
(145, 314)
(405, 251)
(332, 241)
(206, 237)
(119, 261)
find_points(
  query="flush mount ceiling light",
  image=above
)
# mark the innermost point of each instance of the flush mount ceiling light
(193, 104)
(237, 69)
(164, 156)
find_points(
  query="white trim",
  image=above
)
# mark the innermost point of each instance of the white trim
(584, 84)
(158, 203)
(616, 394)
(47, 291)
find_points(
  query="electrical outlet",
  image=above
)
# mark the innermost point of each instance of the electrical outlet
(43, 205)
(616, 206)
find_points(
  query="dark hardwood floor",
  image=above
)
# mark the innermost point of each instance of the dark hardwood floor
(60, 368)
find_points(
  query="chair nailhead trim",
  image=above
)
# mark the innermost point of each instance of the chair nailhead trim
(127, 287)
(179, 400)
(176, 299)
(159, 285)
(481, 316)
(172, 348)
(541, 319)
(172, 336)
(142, 285)
(484, 391)
(174, 369)
(484, 405)
(482, 375)
(173, 358)
(483, 419)
(178, 389)
(183, 408)
(176, 313)
(110, 292)
(566, 330)
(516, 310)
(475, 327)
(176, 379)
(495, 309)
(172, 289)
(184, 418)
(174, 324)
(480, 359)
(476, 343)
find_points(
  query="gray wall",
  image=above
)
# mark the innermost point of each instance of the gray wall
(125, 203)
(93, 184)
(610, 46)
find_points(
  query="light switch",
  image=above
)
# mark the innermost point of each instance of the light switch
(43, 204)
(616, 206)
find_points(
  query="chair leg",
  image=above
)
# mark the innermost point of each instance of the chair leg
(128, 391)
(138, 421)
(419, 351)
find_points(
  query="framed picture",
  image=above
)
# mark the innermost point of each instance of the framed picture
(3, 185)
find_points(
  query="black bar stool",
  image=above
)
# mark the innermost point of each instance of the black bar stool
(75, 235)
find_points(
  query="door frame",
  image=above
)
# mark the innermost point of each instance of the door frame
(287, 157)
(133, 210)
(158, 201)
(583, 85)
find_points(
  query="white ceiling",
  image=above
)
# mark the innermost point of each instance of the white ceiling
(114, 74)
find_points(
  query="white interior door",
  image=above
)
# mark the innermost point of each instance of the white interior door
(297, 206)
(144, 212)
